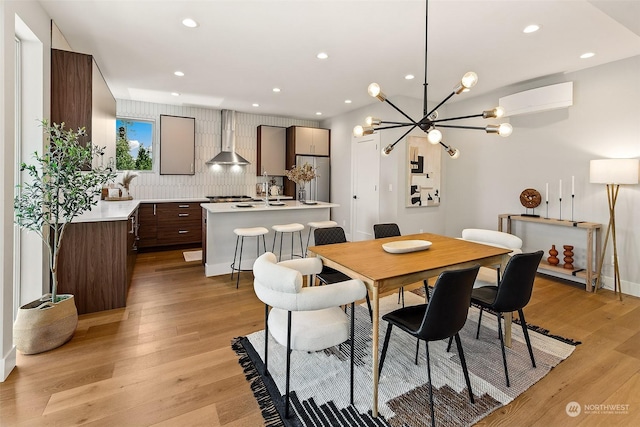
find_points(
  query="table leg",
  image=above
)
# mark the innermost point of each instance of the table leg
(374, 349)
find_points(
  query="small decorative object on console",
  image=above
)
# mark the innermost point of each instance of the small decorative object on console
(568, 257)
(301, 175)
(530, 199)
(553, 258)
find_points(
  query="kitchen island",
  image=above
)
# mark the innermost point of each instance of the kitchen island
(223, 218)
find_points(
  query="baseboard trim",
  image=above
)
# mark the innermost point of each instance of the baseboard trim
(627, 288)
(8, 363)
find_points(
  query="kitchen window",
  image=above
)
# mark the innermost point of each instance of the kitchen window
(134, 144)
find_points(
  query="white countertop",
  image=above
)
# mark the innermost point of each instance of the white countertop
(109, 211)
(176, 200)
(260, 206)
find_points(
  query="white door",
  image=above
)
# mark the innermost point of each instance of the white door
(365, 176)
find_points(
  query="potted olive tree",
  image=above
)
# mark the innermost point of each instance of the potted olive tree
(56, 192)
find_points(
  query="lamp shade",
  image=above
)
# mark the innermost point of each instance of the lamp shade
(614, 171)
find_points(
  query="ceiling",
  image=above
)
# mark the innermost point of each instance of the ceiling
(242, 49)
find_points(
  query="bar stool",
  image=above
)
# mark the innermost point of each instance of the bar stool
(287, 228)
(241, 233)
(318, 224)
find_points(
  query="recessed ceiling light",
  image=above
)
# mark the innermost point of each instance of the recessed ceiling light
(531, 28)
(347, 101)
(587, 55)
(276, 89)
(318, 113)
(179, 73)
(322, 55)
(175, 94)
(188, 22)
(255, 104)
(409, 77)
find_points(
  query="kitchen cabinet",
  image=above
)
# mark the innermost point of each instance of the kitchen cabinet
(96, 262)
(272, 143)
(308, 141)
(80, 97)
(170, 223)
(177, 145)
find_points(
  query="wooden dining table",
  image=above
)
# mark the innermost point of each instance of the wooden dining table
(382, 271)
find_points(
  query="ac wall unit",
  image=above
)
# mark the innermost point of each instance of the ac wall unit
(536, 100)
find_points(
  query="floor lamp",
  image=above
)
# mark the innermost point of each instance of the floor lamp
(612, 172)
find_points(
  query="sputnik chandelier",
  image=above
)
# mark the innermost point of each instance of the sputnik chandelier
(430, 122)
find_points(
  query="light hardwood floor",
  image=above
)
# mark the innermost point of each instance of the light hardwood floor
(166, 360)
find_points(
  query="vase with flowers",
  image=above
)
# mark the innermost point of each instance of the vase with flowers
(127, 177)
(301, 175)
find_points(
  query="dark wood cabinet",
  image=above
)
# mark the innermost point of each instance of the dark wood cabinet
(167, 224)
(96, 263)
(148, 228)
(80, 97)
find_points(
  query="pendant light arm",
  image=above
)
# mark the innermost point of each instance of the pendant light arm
(426, 41)
(390, 147)
(401, 112)
(456, 118)
(463, 127)
(439, 105)
(396, 126)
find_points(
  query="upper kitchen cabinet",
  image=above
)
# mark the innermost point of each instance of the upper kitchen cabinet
(308, 141)
(80, 97)
(177, 145)
(272, 143)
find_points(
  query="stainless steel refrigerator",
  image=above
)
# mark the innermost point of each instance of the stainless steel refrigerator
(319, 188)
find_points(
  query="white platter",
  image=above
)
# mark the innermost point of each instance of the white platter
(243, 205)
(404, 246)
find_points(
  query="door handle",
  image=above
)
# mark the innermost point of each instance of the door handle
(355, 197)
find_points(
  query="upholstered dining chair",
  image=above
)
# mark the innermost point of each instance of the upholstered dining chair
(512, 294)
(443, 317)
(391, 229)
(328, 275)
(492, 238)
(303, 318)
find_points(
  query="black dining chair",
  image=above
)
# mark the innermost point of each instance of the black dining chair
(391, 229)
(328, 275)
(512, 294)
(443, 317)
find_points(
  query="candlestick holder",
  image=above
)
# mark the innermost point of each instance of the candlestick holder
(547, 214)
(560, 218)
(572, 199)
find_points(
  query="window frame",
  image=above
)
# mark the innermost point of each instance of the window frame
(153, 144)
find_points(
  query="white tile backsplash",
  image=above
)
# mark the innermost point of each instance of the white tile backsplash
(207, 181)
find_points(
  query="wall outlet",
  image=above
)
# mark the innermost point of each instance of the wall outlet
(421, 231)
(612, 260)
(344, 223)
(390, 187)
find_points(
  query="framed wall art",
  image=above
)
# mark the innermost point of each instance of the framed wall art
(423, 172)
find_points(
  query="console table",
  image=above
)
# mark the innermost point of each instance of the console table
(594, 244)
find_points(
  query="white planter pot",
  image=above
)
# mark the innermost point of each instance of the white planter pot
(42, 325)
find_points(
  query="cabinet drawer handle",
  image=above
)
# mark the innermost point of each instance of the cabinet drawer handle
(183, 231)
(183, 206)
(183, 214)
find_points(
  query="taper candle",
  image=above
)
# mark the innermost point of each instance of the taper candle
(560, 190)
(546, 193)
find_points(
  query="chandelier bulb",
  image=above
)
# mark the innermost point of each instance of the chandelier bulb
(505, 129)
(372, 121)
(386, 150)
(434, 136)
(358, 131)
(469, 80)
(495, 113)
(453, 152)
(375, 91)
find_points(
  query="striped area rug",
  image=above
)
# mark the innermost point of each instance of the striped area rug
(320, 380)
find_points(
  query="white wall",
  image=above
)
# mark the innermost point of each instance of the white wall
(208, 180)
(492, 171)
(39, 23)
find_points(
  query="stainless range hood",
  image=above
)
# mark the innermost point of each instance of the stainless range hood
(228, 155)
